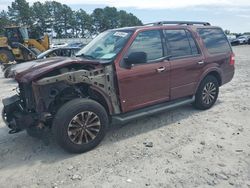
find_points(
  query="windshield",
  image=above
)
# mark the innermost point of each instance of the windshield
(106, 45)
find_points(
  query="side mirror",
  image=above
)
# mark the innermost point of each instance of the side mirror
(136, 58)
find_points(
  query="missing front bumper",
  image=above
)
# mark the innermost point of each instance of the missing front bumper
(15, 116)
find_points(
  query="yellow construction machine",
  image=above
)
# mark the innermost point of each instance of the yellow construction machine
(16, 46)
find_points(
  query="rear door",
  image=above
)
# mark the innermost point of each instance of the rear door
(144, 84)
(187, 62)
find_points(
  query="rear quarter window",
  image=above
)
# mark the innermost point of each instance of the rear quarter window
(215, 40)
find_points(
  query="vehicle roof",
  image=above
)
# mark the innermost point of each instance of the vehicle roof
(64, 48)
(169, 24)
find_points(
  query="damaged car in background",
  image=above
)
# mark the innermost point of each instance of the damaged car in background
(10, 71)
(121, 75)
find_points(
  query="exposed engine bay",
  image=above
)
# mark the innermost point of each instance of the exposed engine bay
(37, 102)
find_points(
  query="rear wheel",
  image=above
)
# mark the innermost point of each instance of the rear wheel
(207, 93)
(6, 56)
(80, 125)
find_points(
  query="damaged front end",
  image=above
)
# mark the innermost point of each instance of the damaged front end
(37, 101)
(19, 113)
(15, 116)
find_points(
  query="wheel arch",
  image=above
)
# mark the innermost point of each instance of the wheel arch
(214, 72)
(89, 92)
(216, 75)
(99, 96)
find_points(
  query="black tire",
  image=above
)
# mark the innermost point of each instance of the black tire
(69, 115)
(4, 116)
(202, 101)
(7, 72)
(7, 56)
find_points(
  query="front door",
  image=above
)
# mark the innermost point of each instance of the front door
(146, 83)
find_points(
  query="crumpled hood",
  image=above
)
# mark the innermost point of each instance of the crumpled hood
(29, 71)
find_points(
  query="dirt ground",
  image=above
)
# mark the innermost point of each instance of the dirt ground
(190, 148)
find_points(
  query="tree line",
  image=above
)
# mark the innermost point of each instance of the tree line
(60, 21)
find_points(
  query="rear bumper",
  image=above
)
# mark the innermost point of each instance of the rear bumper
(227, 77)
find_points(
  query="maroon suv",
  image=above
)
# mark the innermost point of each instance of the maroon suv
(121, 75)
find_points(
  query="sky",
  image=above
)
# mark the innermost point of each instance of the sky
(233, 15)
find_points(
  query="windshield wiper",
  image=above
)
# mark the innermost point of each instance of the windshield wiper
(86, 56)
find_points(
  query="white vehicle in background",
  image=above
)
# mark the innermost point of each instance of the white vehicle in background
(59, 45)
(242, 39)
(231, 37)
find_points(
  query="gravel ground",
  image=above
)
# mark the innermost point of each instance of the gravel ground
(179, 148)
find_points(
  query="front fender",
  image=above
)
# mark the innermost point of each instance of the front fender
(106, 98)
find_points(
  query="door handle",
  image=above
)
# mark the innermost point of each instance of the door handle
(200, 62)
(161, 69)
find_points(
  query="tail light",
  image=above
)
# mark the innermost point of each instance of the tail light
(232, 59)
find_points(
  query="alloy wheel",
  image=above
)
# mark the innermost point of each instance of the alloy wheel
(209, 93)
(84, 127)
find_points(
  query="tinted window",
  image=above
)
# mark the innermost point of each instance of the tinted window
(192, 43)
(214, 40)
(148, 42)
(178, 43)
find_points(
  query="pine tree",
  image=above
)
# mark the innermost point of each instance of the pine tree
(20, 12)
(60, 20)
(4, 21)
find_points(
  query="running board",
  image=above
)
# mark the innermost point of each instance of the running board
(129, 116)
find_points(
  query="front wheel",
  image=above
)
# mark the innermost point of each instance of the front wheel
(7, 72)
(80, 125)
(6, 56)
(207, 93)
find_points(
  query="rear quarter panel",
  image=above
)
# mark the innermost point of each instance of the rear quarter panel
(219, 63)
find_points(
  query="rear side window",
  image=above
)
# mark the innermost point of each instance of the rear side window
(215, 40)
(180, 43)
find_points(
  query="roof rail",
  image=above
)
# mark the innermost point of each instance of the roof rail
(178, 23)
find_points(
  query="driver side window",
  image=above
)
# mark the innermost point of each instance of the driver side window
(148, 42)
